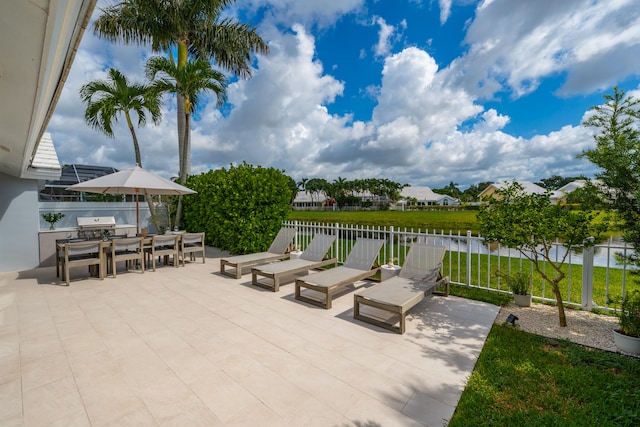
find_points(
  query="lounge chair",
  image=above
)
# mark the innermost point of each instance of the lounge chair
(275, 252)
(420, 275)
(312, 257)
(356, 267)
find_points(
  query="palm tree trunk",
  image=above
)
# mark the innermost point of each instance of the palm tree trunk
(136, 147)
(181, 132)
(183, 168)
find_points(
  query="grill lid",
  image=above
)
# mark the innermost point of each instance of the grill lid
(96, 222)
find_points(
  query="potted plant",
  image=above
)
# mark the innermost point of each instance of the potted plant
(520, 284)
(627, 336)
(52, 218)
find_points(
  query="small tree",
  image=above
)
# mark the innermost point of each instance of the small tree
(532, 225)
(617, 154)
(107, 99)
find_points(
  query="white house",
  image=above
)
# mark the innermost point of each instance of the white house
(560, 195)
(306, 200)
(529, 188)
(426, 197)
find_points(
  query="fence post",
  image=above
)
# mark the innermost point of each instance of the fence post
(587, 276)
(391, 244)
(469, 257)
(336, 243)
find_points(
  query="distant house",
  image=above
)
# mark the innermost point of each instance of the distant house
(424, 196)
(560, 195)
(306, 200)
(529, 188)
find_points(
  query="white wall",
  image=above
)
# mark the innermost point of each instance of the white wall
(19, 219)
(123, 212)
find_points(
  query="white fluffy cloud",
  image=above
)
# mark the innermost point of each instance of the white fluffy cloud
(515, 46)
(429, 125)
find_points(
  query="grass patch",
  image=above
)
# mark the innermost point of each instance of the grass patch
(498, 298)
(423, 220)
(607, 284)
(523, 379)
(440, 221)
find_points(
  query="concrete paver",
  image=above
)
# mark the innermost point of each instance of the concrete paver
(188, 346)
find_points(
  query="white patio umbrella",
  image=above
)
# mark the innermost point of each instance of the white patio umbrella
(134, 180)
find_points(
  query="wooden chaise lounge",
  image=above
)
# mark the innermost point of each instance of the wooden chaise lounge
(357, 266)
(420, 275)
(277, 251)
(312, 257)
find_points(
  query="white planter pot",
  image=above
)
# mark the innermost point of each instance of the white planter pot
(626, 343)
(522, 300)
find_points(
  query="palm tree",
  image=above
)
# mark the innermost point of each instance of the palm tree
(188, 81)
(106, 99)
(302, 184)
(193, 26)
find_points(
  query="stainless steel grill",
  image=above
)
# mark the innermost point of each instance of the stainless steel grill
(94, 227)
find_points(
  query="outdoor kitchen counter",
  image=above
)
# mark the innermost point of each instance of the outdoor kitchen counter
(47, 240)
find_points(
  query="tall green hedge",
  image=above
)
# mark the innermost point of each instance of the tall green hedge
(240, 209)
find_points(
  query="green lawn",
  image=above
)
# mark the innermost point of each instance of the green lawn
(438, 220)
(522, 379)
(423, 220)
(607, 285)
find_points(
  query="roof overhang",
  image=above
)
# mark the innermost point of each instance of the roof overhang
(38, 42)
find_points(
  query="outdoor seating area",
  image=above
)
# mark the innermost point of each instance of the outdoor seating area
(194, 347)
(103, 255)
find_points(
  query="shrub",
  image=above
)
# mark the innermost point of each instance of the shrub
(519, 282)
(240, 209)
(629, 320)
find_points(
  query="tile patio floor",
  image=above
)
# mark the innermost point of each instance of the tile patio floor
(188, 347)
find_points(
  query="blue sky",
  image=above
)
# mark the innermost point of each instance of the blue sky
(423, 92)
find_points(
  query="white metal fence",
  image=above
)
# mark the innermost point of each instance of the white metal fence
(596, 278)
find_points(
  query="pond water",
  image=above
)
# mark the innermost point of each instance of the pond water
(604, 254)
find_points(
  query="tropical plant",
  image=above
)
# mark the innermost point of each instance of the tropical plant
(629, 315)
(617, 154)
(519, 282)
(533, 226)
(107, 99)
(188, 81)
(194, 27)
(52, 218)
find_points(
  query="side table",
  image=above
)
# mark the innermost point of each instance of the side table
(387, 272)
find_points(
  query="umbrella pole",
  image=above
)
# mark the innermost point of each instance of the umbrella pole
(137, 215)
